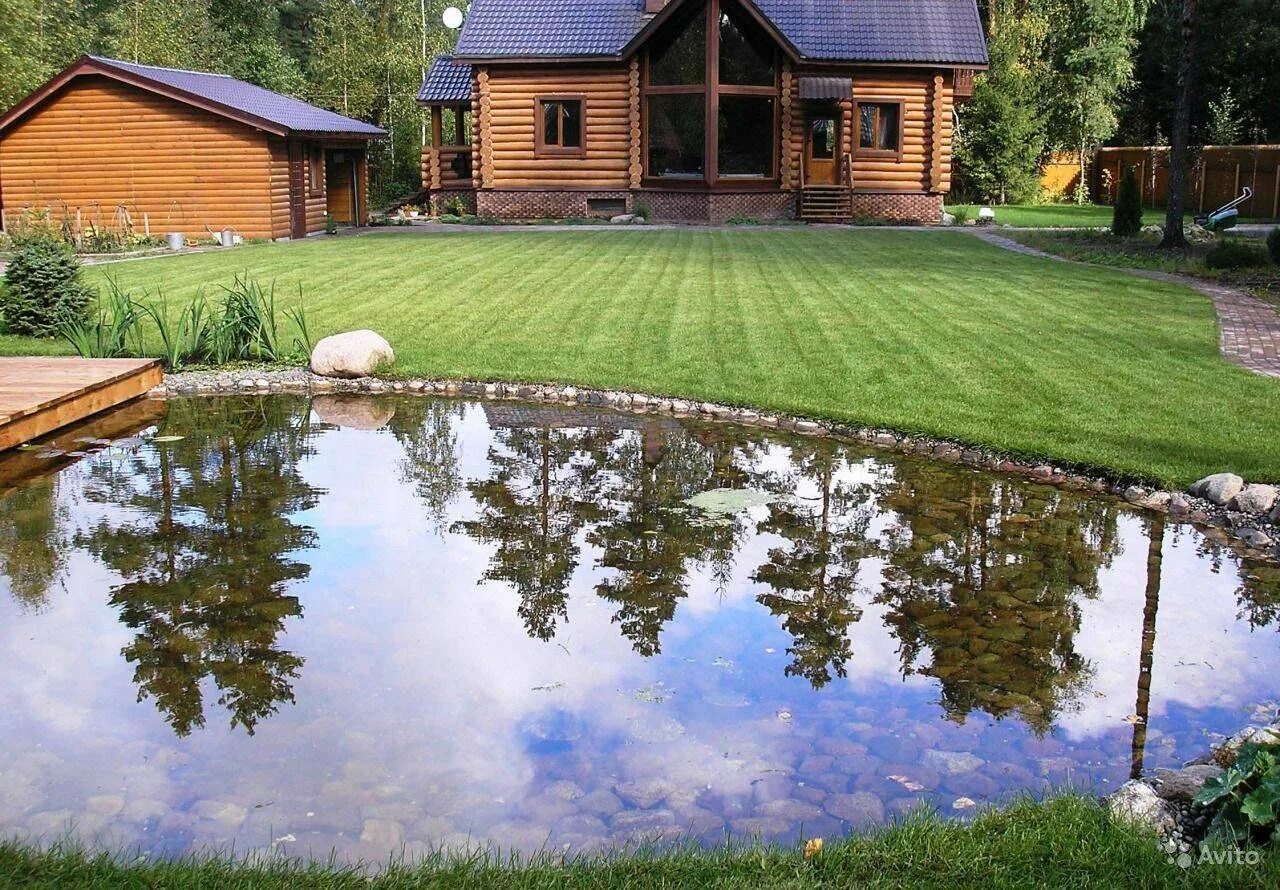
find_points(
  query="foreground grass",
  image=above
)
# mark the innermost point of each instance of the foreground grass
(1067, 842)
(1143, 252)
(933, 333)
(1045, 215)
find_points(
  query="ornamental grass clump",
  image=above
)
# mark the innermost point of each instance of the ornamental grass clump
(244, 326)
(1127, 218)
(43, 291)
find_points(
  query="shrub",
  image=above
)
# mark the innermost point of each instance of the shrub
(1273, 245)
(1127, 219)
(1233, 253)
(44, 289)
(1247, 796)
(960, 214)
(642, 210)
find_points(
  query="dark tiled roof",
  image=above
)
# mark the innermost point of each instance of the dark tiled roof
(236, 95)
(943, 31)
(550, 27)
(447, 81)
(881, 30)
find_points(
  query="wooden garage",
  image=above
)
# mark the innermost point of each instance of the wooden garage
(108, 143)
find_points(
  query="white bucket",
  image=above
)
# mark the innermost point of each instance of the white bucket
(175, 240)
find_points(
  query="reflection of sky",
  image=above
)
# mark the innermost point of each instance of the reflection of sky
(424, 711)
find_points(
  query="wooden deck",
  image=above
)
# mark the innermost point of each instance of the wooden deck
(41, 395)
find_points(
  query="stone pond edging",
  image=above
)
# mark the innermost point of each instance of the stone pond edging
(1165, 801)
(1204, 504)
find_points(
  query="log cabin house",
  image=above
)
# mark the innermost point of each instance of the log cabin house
(701, 110)
(180, 151)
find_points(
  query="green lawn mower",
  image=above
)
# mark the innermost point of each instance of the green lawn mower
(1226, 216)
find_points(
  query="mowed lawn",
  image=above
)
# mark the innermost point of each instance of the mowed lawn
(927, 332)
(1064, 216)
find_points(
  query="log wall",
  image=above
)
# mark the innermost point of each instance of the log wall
(508, 121)
(101, 143)
(927, 133)
(911, 172)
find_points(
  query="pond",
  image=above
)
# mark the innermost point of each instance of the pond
(369, 624)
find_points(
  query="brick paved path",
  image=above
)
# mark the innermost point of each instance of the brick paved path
(1249, 328)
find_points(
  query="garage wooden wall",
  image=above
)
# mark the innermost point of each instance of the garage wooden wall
(101, 142)
(508, 119)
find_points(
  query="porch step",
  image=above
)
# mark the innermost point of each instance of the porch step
(826, 203)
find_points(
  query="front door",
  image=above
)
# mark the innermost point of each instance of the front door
(822, 137)
(297, 191)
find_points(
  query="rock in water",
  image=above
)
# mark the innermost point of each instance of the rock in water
(1137, 802)
(1184, 784)
(354, 354)
(1219, 488)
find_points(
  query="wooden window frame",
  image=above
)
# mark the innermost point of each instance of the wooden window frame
(544, 149)
(315, 171)
(858, 150)
(711, 89)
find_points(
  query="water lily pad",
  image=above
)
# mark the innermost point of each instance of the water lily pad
(730, 501)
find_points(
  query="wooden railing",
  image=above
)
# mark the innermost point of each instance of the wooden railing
(846, 173)
(446, 166)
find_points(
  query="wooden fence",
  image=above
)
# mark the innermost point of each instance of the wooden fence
(1217, 175)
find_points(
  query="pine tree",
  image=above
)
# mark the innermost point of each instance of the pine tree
(1127, 219)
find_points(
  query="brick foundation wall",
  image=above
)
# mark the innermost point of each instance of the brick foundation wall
(910, 208)
(688, 206)
(717, 207)
(441, 198)
(542, 204)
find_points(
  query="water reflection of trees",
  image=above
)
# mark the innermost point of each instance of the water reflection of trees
(200, 532)
(32, 540)
(984, 575)
(814, 578)
(543, 488)
(648, 539)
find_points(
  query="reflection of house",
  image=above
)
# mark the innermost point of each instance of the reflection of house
(508, 415)
(702, 109)
(182, 151)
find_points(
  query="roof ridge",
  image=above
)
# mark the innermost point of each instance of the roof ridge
(112, 61)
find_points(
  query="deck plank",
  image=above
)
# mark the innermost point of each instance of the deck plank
(40, 395)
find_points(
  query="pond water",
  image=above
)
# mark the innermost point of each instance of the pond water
(375, 624)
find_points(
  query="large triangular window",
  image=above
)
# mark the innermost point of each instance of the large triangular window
(711, 62)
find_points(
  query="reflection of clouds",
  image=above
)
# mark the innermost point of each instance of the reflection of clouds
(416, 705)
(1204, 657)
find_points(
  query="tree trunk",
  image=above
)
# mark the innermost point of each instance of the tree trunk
(1176, 200)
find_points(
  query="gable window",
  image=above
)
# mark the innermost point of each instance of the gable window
(560, 125)
(711, 97)
(879, 127)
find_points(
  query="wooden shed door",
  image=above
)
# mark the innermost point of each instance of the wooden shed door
(297, 191)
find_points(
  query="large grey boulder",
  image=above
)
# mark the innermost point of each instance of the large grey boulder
(1219, 488)
(1256, 499)
(1137, 802)
(354, 354)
